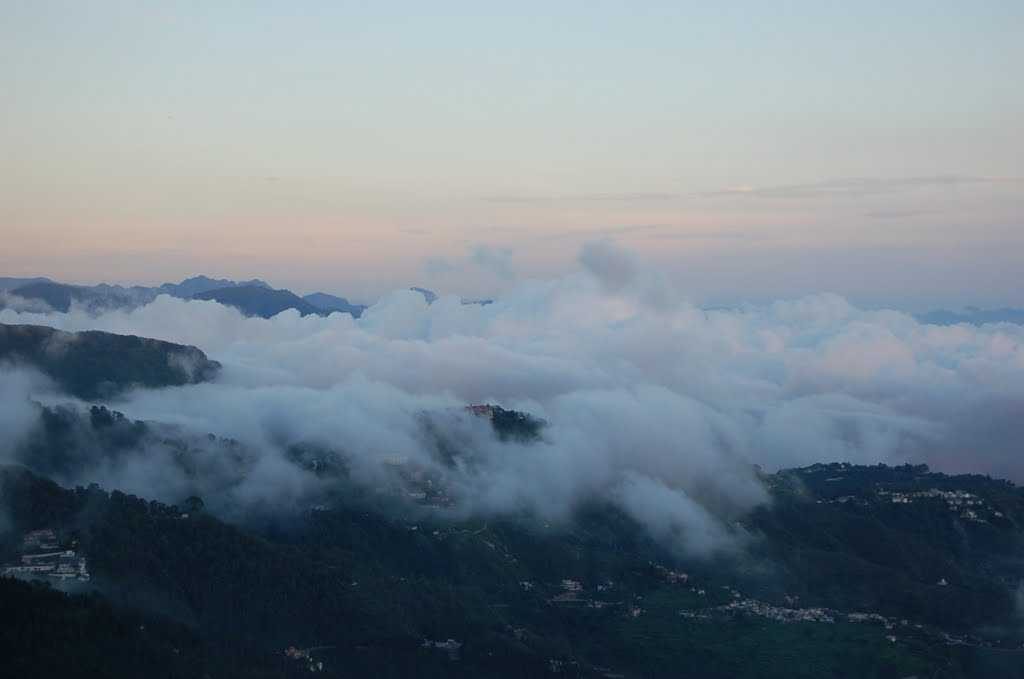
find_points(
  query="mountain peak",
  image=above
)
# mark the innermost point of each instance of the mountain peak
(198, 284)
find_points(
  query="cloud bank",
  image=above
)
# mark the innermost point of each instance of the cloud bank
(652, 404)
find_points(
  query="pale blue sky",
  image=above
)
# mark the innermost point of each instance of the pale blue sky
(362, 146)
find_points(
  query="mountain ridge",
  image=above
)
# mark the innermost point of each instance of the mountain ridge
(257, 297)
(95, 364)
(259, 301)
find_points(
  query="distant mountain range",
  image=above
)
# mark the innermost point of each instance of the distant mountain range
(432, 297)
(253, 298)
(973, 316)
(332, 303)
(60, 297)
(428, 295)
(7, 283)
(200, 284)
(257, 298)
(256, 301)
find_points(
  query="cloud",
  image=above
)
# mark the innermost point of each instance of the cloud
(826, 188)
(9, 300)
(653, 405)
(669, 233)
(650, 232)
(627, 197)
(898, 214)
(673, 517)
(619, 271)
(439, 265)
(18, 415)
(494, 261)
(859, 186)
(614, 267)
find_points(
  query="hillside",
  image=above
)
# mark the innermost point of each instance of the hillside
(47, 633)
(200, 284)
(258, 298)
(259, 301)
(332, 303)
(596, 597)
(60, 296)
(93, 364)
(9, 283)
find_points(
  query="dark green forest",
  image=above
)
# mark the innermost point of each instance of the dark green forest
(366, 588)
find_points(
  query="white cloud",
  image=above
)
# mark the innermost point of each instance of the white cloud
(652, 403)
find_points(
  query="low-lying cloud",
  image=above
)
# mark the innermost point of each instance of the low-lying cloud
(652, 404)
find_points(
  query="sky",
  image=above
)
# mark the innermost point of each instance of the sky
(752, 152)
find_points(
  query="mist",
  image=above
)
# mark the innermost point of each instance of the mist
(652, 404)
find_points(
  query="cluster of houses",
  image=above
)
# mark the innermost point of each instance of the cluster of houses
(573, 593)
(449, 646)
(787, 614)
(305, 656)
(485, 411)
(753, 607)
(570, 594)
(42, 557)
(765, 610)
(968, 505)
(670, 576)
(417, 483)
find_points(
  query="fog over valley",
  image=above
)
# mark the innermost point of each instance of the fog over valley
(648, 402)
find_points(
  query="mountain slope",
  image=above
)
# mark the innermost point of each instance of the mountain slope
(94, 364)
(7, 283)
(258, 301)
(428, 295)
(47, 633)
(199, 284)
(332, 303)
(60, 297)
(103, 297)
(370, 591)
(253, 297)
